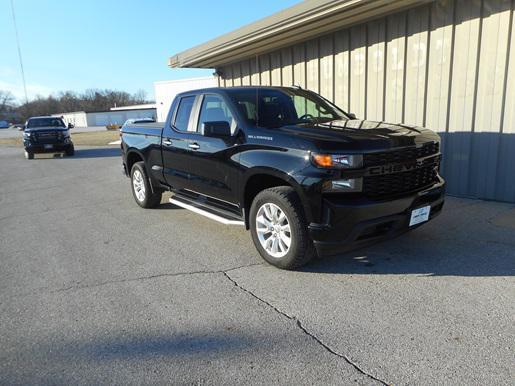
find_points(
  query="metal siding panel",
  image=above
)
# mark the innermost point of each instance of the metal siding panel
(287, 66)
(299, 65)
(236, 72)
(509, 106)
(416, 63)
(490, 89)
(341, 69)
(312, 65)
(275, 64)
(264, 66)
(358, 70)
(375, 69)
(505, 183)
(326, 67)
(245, 73)
(255, 76)
(492, 65)
(396, 36)
(457, 146)
(440, 56)
(506, 166)
(228, 76)
(464, 66)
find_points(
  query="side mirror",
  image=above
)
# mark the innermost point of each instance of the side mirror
(70, 126)
(216, 129)
(351, 115)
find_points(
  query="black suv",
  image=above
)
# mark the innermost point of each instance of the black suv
(289, 165)
(47, 135)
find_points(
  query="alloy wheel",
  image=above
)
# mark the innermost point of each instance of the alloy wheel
(273, 230)
(138, 185)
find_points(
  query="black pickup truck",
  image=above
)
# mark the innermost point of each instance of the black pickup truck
(304, 176)
(47, 135)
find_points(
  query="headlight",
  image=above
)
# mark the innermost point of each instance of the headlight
(339, 161)
(26, 134)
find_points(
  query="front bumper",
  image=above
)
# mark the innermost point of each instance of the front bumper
(57, 147)
(351, 224)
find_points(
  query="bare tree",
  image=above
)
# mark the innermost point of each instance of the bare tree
(6, 101)
(140, 96)
(90, 100)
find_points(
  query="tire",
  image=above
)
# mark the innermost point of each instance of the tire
(141, 189)
(29, 155)
(70, 151)
(265, 214)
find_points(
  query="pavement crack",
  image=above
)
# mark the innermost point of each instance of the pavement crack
(150, 277)
(133, 279)
(79, 286)
(306, 331)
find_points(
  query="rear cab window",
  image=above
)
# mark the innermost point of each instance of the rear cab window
(183, 114)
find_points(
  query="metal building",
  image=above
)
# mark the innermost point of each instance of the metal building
(116, 115)
(448, 65)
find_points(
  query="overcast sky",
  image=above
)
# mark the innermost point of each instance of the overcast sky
(115, 44)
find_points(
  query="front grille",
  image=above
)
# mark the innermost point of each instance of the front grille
(46, 137)
(397, 183)
(400, 156)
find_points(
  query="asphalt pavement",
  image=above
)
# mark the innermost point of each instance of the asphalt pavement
(95, 290)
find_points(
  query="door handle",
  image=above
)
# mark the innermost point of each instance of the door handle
(194, 146)
(167, 142)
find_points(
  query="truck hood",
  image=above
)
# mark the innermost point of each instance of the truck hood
(51, 128)
(361, 135)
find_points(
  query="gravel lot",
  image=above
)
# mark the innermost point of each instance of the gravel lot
(95, 290)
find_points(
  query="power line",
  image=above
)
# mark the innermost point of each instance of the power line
(19, 53)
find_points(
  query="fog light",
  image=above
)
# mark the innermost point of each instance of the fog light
(347, 185)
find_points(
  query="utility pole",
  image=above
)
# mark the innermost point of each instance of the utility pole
(19, 53)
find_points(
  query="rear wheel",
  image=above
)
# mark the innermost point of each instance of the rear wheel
(29, 155)
(279, 228)
(141, 189)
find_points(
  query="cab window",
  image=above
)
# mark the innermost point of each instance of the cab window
(214, 109)
(182, 117)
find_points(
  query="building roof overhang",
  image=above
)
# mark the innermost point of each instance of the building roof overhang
(301, 22)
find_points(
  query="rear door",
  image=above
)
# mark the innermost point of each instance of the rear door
(177, 141)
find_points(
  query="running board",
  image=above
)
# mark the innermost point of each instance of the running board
(194, 207)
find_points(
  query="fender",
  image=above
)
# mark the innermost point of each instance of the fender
(152, 179)
(132, 150)
(278, 163)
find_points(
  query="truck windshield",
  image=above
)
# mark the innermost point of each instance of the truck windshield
(45, 122)
(281, 107)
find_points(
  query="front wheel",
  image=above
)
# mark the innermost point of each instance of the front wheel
(279, 228)
(29, 155)
(141, 189)
(70, 151)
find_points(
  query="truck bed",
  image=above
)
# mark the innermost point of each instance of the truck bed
(153, 128)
